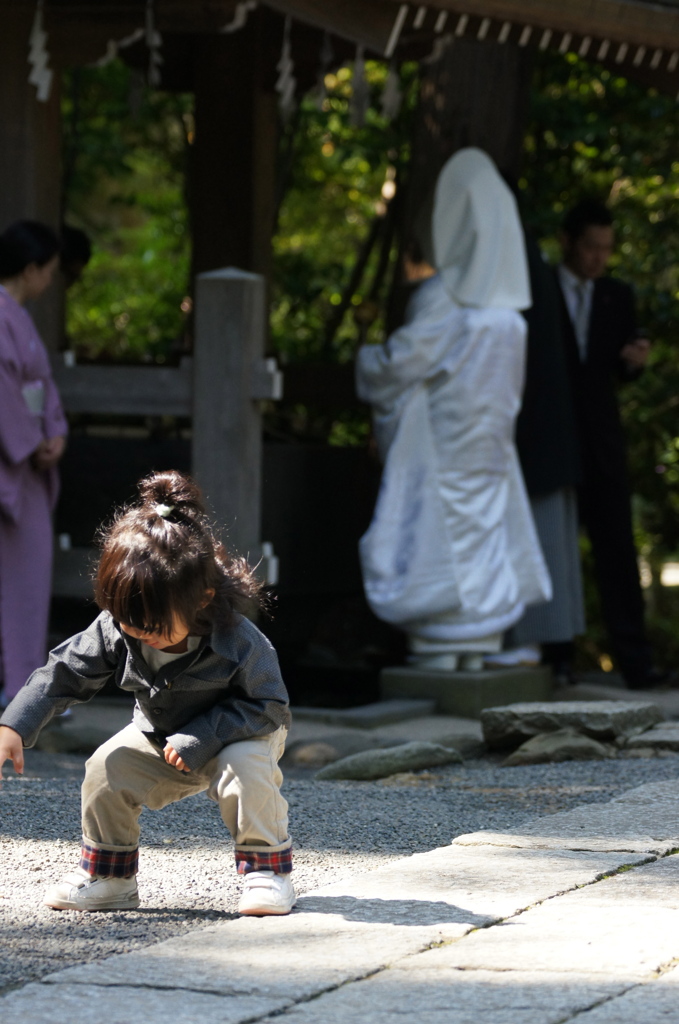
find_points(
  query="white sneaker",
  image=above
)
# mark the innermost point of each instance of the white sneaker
(81, 891)
(265, 892)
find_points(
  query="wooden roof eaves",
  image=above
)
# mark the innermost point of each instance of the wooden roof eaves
(371, 22)
(635, 22)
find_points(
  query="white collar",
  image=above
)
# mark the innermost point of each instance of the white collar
(571, 280)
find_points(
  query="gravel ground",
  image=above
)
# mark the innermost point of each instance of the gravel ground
(187, 877)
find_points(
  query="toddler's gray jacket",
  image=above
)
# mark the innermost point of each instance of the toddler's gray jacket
(229, 689)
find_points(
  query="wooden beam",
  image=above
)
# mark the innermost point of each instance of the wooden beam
(125, 390)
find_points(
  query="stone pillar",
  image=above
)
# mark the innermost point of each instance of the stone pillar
(30, 151)
(231, 376)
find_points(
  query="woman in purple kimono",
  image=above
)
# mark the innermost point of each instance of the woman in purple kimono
(32, 440)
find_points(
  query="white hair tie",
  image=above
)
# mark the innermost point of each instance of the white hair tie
(164, 510)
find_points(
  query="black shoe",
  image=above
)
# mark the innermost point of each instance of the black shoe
(655, 679)
(563, 674)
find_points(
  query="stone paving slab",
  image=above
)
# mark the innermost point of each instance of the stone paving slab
(288, 958)
(432, 993)
(461, 934)
(643, 820)
(480, 885)
(98, 1004)
(655, 1003)
(614, 929)
(338, 934)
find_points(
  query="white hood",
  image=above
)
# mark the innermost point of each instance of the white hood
(478, 246)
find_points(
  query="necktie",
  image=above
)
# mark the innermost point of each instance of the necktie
(581, 321)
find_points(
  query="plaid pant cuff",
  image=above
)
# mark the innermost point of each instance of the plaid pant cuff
(279, 861)
(109, 863)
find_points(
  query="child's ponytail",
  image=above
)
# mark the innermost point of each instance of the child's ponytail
(171, 495)
(161, 561)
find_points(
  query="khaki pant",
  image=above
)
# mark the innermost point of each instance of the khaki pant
(128, 773)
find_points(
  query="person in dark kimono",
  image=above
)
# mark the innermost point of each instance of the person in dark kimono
(32, 440)
(603, 348)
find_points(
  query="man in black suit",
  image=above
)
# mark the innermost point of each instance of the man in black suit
(603, 347)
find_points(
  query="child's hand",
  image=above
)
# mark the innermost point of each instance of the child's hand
(11, 748)
(173, 758)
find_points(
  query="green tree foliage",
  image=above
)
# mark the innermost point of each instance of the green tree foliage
(338, 178)
(125, 156)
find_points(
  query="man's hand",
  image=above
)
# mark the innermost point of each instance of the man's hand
(173, 758)
(12, 749)
(48, 452)
(635, 354)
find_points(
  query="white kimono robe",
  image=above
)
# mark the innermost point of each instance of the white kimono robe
(452, 553)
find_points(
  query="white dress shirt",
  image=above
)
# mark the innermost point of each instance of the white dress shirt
(578, 295)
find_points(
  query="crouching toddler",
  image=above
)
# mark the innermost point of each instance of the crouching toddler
(211, 711)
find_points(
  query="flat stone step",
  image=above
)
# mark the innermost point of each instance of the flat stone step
(667, 700)
(508, 726)
(368, 716)
(661, 737)
(468, 693)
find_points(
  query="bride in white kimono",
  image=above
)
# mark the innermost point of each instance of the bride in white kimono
(452, 556)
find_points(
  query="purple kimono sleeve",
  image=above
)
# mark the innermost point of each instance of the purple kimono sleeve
(54, 421)
(20, 431)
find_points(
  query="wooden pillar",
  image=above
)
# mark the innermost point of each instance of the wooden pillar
(233, 159)
(476, 94)
(231, 376)
(30, 151)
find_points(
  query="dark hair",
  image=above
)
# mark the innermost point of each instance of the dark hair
(584, 214)
(75, 246)
(155, 567)
(23, 243)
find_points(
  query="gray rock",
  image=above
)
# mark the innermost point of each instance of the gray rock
(508, 726)
(377, 764)
(562, 745)
(660, 737)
